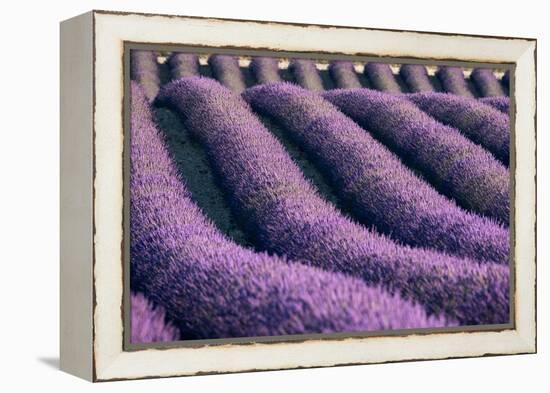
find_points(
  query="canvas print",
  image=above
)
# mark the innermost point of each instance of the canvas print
(275, 196)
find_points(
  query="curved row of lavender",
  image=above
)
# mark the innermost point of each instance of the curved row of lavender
(486, 82)
(382, 191)
(452, 80)
(183, 65)
(343, 74)
(226, 69)
(149, 323)
(287, 216)
(480, 122)
(144, 70)
(381, 77)
(265, 69)
(416, 78)
(306, 74)
(501, 103)
(213, 288)
(456, 166)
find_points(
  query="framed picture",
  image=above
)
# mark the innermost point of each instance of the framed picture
(245, 195)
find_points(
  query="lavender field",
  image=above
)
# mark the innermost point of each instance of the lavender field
(273, 197)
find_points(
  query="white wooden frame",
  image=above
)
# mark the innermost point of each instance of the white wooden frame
(92, 195)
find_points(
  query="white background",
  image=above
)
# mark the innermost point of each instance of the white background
(29, 196)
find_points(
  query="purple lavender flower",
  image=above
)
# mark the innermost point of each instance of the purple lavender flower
(227, 71)
(486, 82)
(183, 65)
(481, 123)
(144, 70)
(265, 69)
(453, 81)
(380, 189)
(501, 103)
(306, 74)
(343, 74)
(287, 216)
(212, 288)
(416, 78)
(381, 77)
(148, 322)
(456, 166)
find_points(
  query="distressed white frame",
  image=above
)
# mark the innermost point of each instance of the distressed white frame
(111, 30)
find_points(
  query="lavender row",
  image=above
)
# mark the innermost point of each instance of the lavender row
(381, 77)
(380, 189)
(416, 78)
(343, 74)
(227, 71)
(456, 166)
(501, 103)
(486, 82)
(481, 123)
(506, 80)
(306, 74)
(149, 323)
(265, 69)
(288, 217)
(183, 65)
(452, 81)
(211, 287)
(144, 70)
